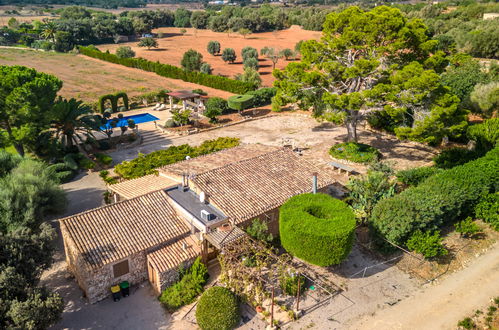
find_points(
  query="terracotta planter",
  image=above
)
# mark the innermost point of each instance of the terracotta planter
(259, 309)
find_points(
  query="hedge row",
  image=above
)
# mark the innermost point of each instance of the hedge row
(170, 71)
(443, 198)
(317, 228)
(148, 164)
(414, 176)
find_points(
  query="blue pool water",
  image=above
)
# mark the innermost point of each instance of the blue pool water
(138, 119)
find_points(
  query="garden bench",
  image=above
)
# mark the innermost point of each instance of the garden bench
(341, 167)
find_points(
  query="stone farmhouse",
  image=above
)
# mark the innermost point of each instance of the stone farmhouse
(191, 208)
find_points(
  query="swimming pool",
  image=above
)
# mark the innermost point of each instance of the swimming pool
(138, 119)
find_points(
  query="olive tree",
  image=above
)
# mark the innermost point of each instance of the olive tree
(192, 60)
(213, 47)
(125, 52)
(229, 55)
(148, 42)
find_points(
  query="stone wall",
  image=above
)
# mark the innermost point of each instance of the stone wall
(96, 283)
(169, 277)
(100, 281)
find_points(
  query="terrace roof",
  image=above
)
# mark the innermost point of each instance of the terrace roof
(250, 187)
(215, 160)
(183, 94)
(141, 186)
(172, 255)
(113, 232)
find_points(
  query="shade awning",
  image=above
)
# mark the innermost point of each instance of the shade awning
(219, 238)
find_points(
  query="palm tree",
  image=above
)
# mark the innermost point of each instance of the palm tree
(49, 30)
(72, 120)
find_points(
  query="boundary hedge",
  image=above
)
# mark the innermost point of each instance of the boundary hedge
(441, 199)
(317, 228)
(170, 71)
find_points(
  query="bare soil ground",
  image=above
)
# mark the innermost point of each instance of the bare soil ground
(461, 252)
(173, 45)
(87, 79)
(441, 306)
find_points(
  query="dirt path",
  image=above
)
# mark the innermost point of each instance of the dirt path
(443, 305)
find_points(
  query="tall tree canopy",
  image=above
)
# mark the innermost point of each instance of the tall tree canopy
(355, 69)
(29, 193)
(26, 99)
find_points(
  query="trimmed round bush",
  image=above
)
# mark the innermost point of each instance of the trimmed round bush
(218, 309)
(240, 102)
(317, 228)
(355, 152)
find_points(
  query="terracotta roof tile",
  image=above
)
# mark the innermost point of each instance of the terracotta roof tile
(141, 186)
(215, 160)
(113, 232)
(172, 255)
(254, 186)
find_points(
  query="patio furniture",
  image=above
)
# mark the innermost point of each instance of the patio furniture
(156, 106)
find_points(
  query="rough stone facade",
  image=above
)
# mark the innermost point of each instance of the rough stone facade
(96, 283)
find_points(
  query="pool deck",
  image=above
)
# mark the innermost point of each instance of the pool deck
(163, 116)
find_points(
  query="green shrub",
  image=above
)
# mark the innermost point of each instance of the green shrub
(262, 96)
(427, 243)
(443, 198)
(488, 210)
(125, 52)
(217, 103)
(240, 102)
(170, 71)
(466, 323)
(317, 228)
(414, 176)
(104, 159)
(170, 123)
(467, 227)
(148, 164)
(355, 152)
(86, 163)
(218, 309)
(187, 289)
(289, 284)
(259, 230)
(485, 134)
(452, 157)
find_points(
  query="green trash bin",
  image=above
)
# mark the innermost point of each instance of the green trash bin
(125, 288)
